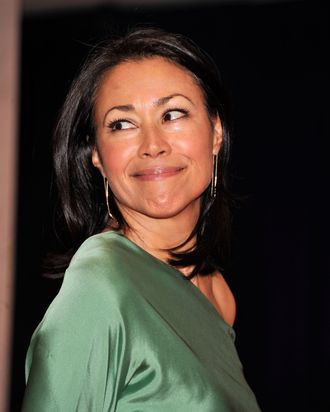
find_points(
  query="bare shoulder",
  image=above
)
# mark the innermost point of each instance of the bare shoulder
(224, 298)
(217, 291)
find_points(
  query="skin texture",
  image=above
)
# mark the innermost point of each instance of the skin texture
(155, 144)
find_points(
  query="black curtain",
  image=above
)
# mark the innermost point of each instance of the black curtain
(273, 60)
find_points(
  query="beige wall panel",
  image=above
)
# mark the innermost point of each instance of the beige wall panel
(9, 38)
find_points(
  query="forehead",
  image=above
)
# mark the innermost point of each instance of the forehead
(145, 76)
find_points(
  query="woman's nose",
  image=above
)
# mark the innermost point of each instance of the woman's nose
(154, 143)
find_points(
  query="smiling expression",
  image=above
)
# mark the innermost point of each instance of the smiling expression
(154, 138)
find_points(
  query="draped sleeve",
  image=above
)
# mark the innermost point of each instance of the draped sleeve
(78, 351)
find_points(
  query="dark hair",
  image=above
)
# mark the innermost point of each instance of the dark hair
(80, 185)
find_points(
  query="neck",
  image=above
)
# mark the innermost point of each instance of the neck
(157, 235)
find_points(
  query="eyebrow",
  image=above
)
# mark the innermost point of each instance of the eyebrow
(163, 100)
(159, 102)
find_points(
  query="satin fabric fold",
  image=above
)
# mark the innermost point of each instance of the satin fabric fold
(129, 333)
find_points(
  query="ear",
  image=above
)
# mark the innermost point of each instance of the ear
(96, 160)
(217, 134)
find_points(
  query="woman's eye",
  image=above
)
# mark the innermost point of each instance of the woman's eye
(174, 114)
(120, 125)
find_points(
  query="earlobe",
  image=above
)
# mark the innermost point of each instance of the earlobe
(96, 160)
(217, 135)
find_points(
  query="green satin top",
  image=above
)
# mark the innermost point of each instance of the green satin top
(129, 333)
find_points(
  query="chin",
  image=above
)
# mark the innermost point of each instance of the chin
(171, 209)
(162, 215)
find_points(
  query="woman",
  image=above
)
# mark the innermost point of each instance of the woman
(143, 321)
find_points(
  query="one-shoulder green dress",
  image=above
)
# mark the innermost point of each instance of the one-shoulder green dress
(129, 333)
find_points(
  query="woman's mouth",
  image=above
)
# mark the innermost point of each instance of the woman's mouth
(157, 173)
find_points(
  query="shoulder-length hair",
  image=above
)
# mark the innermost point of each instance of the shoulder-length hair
(83, 210)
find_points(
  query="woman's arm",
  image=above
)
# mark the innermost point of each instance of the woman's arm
(75, 354)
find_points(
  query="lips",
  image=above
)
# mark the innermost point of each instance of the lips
(157, 173)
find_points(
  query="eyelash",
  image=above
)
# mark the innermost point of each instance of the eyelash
(176, 109)
(113, 123)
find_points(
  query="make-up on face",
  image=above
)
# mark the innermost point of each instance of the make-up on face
(155, 139)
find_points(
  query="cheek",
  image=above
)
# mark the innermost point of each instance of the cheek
(115, 159)
(197, 146)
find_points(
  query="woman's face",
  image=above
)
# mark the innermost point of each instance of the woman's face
(155, 140)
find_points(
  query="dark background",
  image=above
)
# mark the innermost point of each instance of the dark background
(273, 60)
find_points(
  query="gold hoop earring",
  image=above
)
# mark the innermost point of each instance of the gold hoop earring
(214, 179)
(106, 189)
